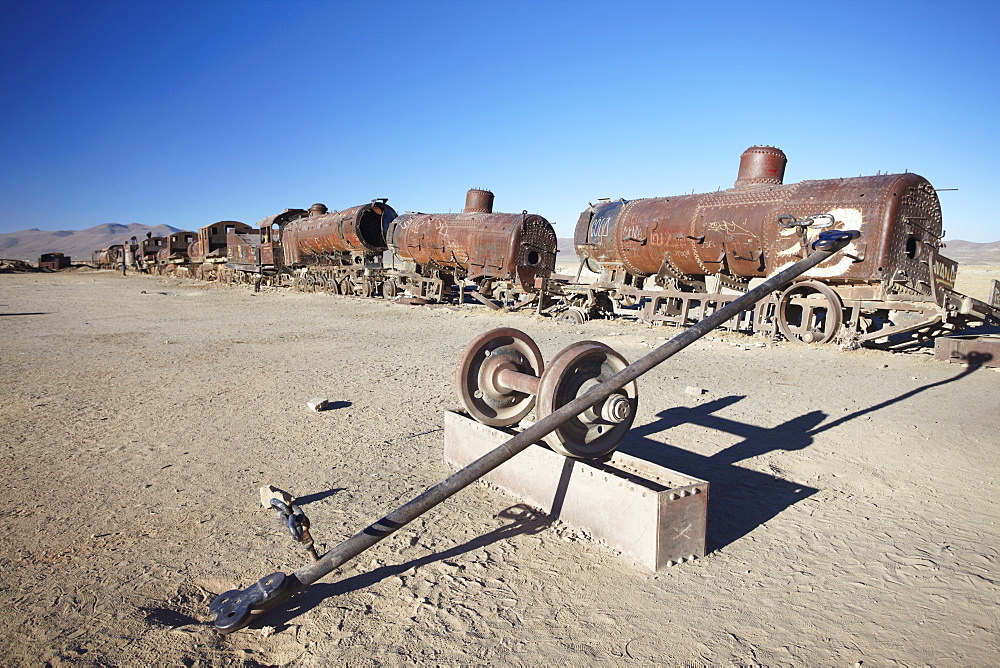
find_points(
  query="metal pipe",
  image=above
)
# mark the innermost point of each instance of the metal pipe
(235, 609)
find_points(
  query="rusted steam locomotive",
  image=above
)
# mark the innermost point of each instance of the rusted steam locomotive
(669, 260)
(674, 259)
(108, 258)
(501, 254)
(434, 255)
(338, 252)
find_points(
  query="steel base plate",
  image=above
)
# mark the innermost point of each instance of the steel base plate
(652, 514)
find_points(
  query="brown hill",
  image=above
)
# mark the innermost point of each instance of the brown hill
(28, 245)
(970, 252)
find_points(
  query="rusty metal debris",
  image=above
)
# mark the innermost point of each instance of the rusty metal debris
(672, 260)
(666, 260)
(597, 399)
(972, 350)
(500, 254)
(8, 266)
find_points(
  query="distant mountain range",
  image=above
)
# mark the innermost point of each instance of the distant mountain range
(28, 245)
(970, 252)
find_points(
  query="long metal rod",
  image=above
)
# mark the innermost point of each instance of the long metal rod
(400, 517)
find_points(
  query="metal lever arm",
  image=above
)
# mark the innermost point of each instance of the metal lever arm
(236, 608)
(786, 220)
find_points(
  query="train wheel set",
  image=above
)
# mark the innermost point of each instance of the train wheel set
(585, 402)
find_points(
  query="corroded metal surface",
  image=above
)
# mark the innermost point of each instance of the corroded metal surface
(663, 254)
(319, 237)
(212, 239)
(150, 247)
(107, 258)
(478, 201)
(761, 165)
(271, 229)
(177, 246)
(517, 247)
(971, 350)
(738, 233)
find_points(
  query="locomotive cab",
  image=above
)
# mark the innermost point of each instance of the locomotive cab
(271, 233)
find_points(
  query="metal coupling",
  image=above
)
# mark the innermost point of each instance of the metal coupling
(616, 408)
(787, 220)
(234, 609)
(297, 523)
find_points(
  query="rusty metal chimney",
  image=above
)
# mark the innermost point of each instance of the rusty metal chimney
(478, 201)
(761, 166)
(318, 209)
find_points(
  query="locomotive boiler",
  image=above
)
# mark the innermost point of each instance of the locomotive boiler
(108, 258)
(667, 253)
(339, 251)
(503, 254)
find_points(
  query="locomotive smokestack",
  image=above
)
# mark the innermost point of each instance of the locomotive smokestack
(318, 209)
(478, 201)
(761, 166)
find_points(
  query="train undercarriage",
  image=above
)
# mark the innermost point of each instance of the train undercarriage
(806, 312)
(810, 312)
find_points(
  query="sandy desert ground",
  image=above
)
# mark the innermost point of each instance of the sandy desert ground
(853, 514)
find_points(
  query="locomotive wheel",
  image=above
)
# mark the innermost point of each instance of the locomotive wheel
(572, 373)
(573, 315)
(810, 312)
(300, 285)
(367, 288)
(389, 289)
(346, 287)
(476, 376)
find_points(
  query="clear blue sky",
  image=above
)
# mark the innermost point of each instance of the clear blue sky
(186, 113)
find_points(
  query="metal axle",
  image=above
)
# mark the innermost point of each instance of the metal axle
(237, 608)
